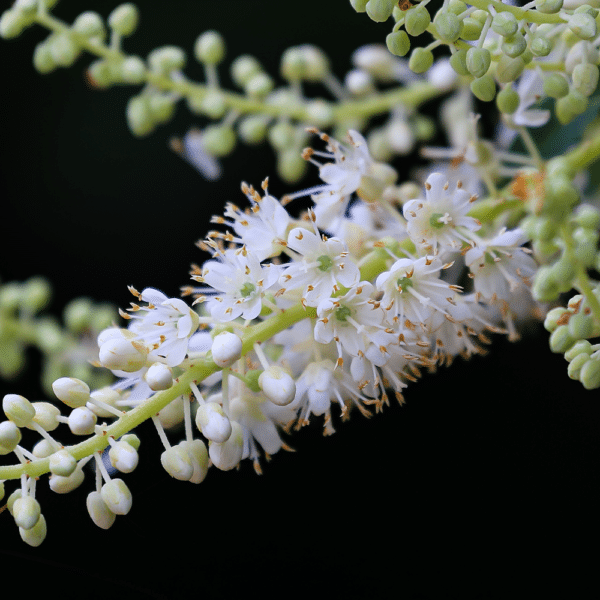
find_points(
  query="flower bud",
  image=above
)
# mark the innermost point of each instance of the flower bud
(166, 59)
(198, 454)
(290, 165)
(120, 354)
(505, 24)
(209, 48)
(63, 49)
(515, 45)
(18, 409)
(124, 19)
(226, 348)
(508, 69)
(104, 396)
(101, 515)
(398, 43)
(243, 68)
(139, 116)
(43, 449)
(548, 6)
(277, 385)
(359, 82)
(123, 457)
(36, 535)
(484, 88)
(259, 86)
(576, 364)
(212, 421)
(12, 23)
(590, 374)
(586, 244)
(43, 61)
(177, 463)
(380, 10)
(82, 421)
(90, 24)
(10, 436)
(478, 61)
(359, 5)
(449, 26)
(416, 20)
(159, 377)
(219, 140)
(587, 216)
(26, 511)
(133, 70)
(556, 85)
(580, 347)
(570, 106)
(545, 287)
(584, 26)
(507, 100)
(420, 60)
(585, 78)
(580, 326)
(458, 61)
(62, 463)
(561, 340)
(253, 129)
(172, 414)
(117, 496)
(73, 392)
(541, 46)
(227, 456)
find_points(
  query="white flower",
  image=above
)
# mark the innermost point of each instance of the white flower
(413, 290)
(441, 219)
(324, 264)
(242, 281)
(165, 325)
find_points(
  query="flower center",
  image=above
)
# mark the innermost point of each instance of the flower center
(325, 263)
(247, 289)
(404, 283)
(435, 221)
(342, 313)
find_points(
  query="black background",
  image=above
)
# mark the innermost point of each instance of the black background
(489, 472)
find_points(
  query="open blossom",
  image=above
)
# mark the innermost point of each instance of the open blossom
(165, 325)
(440, 220)
(240, 281)
(324, 264)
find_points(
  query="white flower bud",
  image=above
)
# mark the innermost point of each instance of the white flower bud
(64, 485)
(36, 535)
(172, 414)
(43, 449)
(45, 416)
(106, 396)
(73, 392)
(400, 137)
(62, 463)
(81, 421)
(177, 463)
(123, 457)
(101, 515)
(159, 377)
(198, 454)
(212, 421)
(117, 496)
(110, 333)
(119, 354)
(359, 82)
(26, 512)
(226, 348)
(277, 385)
(228, 455)
(10, 436)
(124, 19)
(209, 48)
(18, 409)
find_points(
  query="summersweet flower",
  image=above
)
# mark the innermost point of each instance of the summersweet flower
(322, 265)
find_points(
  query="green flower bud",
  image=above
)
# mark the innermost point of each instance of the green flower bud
(101, 74)
(563, 271)
(209, 48)
(162, 107)
(515, 45)
(583, 26)
(282, 135)
(545, 286)
(77, 315)
(36, 294)
(553, 317)
(580, 347)
(586, 241)
(43, 60)
(10, 436)
(124, 19)
(541, 46)
(420, 60)
(548, 6)
(587, 216)
(505, 24)
(576, 364)
(319, 113)
(580, 326)
(253, 129)
(448, 26)
(585, 78)
(380, 10)
(423, 128)
(18, 409)
(259, 86)
(90, 24)
(133, 70)
(213, 104)
(166, 59)
(219, 140)
(12, 23)
(359, 5)
(507, 100)
(458, 61)
(139, 116)
(484, 88)
(398, 43)
(478, 61)
(12, 358)
(63, 49)
(561, 340)
(243, 68)
(291, 167)
(416, 20)
(471, 29)
(569, 107)
(556, 85)
(508, 69)
(590, 374)
(457, 7)
(587, 9)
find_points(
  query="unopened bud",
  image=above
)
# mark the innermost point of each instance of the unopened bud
(82, 421)
(98, 510)
(62, 463)
(212, 421)
(123, 457)
(177, 463)
(10, 436)
(120, 354)
(117, 496)
(209, 48)
(73, 392)
(36, 535)
(159, 377)
(277, 385)
(227, 456)
(124, 19)
(26, 512)
(18, 409)
(226, 348)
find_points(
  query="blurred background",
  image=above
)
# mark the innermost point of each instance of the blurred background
(489, 462)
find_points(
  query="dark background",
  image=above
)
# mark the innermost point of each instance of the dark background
(489, 472)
